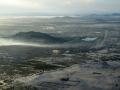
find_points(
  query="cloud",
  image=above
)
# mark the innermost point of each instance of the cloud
(80, 2)
(21, 4)
(59, 6)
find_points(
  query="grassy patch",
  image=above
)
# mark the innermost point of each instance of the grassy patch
(41, 65)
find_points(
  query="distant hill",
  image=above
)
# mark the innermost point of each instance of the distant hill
(103, 17)
(36, 37)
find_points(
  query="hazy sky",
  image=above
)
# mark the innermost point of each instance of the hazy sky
(57, 7)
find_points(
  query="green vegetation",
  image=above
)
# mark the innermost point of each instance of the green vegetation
(41, 65)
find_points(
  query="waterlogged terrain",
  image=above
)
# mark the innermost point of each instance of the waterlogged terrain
(59, 54)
